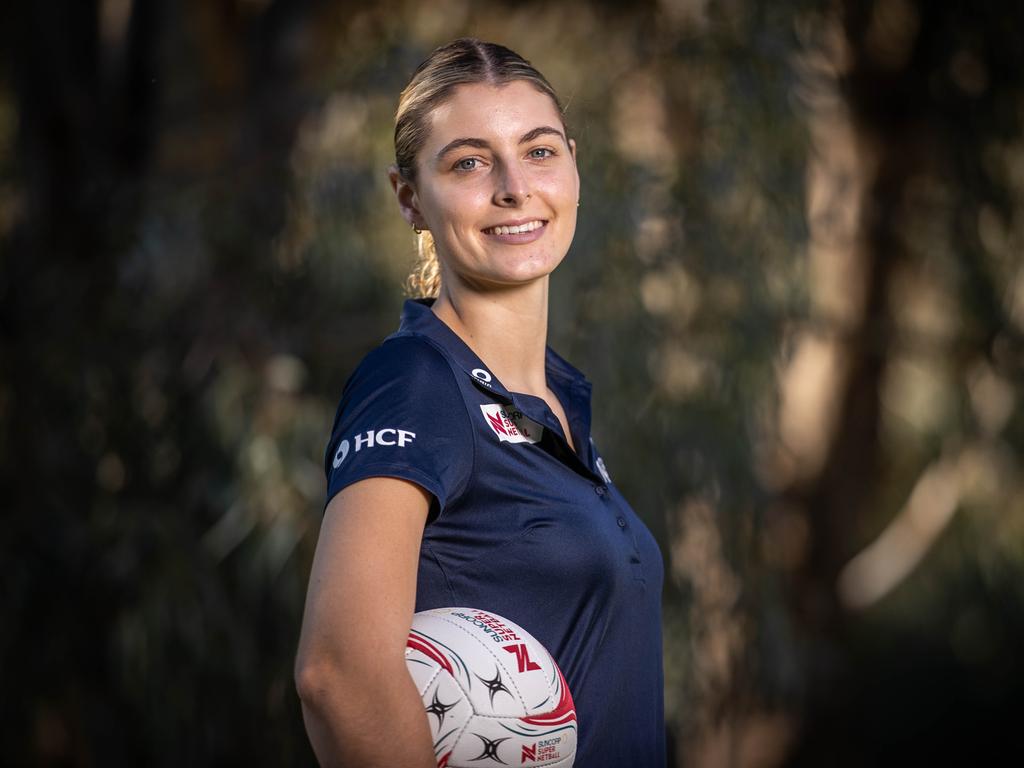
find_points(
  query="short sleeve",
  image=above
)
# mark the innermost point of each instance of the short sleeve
(402, 415)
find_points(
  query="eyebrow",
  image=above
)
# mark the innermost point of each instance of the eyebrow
(543, 130)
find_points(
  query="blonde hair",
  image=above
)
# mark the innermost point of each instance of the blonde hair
(462, 61)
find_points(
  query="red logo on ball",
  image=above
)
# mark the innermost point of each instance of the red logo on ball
(526, 664)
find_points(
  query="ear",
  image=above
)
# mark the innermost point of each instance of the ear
(408, 200)
(572, 151)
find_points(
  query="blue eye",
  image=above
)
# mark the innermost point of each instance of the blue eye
(533, 153)
(461, 165)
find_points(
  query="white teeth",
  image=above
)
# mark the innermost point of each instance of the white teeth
(517, 230)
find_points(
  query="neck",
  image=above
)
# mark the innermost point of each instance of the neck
(507, 329)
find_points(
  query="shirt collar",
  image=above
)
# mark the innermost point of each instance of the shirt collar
(419, 318)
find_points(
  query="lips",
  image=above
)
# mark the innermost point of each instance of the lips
(515, 227)
(524, 233)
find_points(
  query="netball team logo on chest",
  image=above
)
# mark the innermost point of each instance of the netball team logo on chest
(511, 425)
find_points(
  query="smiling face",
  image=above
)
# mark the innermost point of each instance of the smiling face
(496, 185)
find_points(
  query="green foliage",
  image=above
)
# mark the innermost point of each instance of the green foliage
(796, 284)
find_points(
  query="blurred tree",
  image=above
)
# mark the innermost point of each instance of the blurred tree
(906, 310)
(134, 641)
(796, 283)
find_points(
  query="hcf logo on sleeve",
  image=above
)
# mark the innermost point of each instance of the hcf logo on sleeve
(389, 436)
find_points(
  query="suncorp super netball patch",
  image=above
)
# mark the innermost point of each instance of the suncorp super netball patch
(511, 425)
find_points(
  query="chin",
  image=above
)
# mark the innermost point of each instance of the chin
(535, 268)
(511, 266)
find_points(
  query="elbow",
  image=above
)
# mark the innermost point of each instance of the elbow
(319, 678)
(305, 682)
(323, 669)
(314, 678)
(320, 674)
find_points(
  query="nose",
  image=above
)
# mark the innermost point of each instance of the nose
(513, 188)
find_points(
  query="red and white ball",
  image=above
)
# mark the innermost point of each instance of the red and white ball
(492, 693)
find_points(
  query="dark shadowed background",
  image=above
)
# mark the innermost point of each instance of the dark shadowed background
(797, 285)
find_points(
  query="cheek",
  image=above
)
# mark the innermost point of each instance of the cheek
(462, 208)
(559, 185)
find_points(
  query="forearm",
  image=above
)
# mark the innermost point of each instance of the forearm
(370, 721)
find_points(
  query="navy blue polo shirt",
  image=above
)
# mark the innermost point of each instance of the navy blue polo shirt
(519, 524)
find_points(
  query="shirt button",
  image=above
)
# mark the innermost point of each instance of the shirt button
(621, 521)
(600, 490)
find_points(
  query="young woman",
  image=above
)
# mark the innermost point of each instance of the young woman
(461, 471)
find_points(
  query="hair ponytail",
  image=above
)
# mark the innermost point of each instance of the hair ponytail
(425, 279)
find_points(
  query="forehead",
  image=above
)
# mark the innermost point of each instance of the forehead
(494, 113)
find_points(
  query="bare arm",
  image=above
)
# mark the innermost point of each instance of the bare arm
(358, 700)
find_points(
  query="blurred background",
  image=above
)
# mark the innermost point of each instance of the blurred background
(797, 285)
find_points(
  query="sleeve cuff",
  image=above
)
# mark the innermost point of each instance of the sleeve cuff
(403, 472)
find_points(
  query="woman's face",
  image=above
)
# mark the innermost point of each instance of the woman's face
(497, 157)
